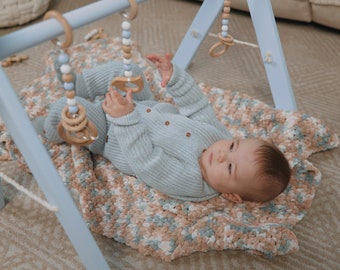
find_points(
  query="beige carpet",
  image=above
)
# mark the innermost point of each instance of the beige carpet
(32, 238)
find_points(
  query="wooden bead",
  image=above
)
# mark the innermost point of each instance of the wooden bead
(67, 77)
(226, 10)
(225, 15)
(126, 49)
(70, 94)
(227, 3)
(127, 55)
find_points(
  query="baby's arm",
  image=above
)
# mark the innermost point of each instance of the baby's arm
(187, 95)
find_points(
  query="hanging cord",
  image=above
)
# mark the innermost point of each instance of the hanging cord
(237, 41)
(28, 193)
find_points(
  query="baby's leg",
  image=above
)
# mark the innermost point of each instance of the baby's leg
(98, 80)
(95, 82)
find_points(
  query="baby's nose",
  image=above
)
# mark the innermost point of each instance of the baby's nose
(222, 156)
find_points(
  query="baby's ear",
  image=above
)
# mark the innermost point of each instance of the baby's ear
(233, 197)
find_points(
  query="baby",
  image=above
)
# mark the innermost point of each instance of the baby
(182, 151)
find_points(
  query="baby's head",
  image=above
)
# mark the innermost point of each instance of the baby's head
(245, 169)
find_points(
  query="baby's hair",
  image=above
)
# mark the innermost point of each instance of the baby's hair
(273, 173)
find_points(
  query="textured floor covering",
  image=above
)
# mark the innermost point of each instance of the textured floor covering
(32, 238)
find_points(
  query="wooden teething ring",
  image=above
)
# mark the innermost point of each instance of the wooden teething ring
(67, 28)
(224, 44)
(133, 10)
(74, 123)
(135, 84)
(81, 140)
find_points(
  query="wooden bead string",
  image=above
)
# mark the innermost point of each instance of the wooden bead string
(74, 127)
(128, 82)
(225, 40)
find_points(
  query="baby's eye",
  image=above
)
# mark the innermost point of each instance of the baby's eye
(230, 167)
(231, 147)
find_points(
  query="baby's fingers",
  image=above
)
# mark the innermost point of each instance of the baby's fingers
(119, 98)
(115, 97)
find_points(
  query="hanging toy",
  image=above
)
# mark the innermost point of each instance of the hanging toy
(128, 82)
(74, 127)
(225, 40)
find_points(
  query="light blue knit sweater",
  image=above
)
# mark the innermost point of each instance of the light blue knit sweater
(158, 143)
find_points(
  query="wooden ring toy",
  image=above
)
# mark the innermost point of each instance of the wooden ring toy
(135, 84)
(67, 28)
(86, 137)
(133, 10)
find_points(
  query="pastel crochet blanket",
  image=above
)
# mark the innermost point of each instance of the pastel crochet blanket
(125, 209)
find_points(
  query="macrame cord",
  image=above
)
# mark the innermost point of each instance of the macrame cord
(28, 193)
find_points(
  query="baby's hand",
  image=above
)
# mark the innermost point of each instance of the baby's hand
(164, 65)
(116, 105)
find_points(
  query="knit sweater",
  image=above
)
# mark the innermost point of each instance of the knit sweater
(157, 142)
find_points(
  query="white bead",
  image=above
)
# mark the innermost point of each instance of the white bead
(65, 69)
(126, 25)
(225, 28)
(126, 41)
(128, 74)
(71, 101)
(127, 61)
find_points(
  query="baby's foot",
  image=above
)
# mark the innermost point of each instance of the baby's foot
(38, 124)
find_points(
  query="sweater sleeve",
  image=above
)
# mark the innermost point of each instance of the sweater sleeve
(152, 164)
(189, 98)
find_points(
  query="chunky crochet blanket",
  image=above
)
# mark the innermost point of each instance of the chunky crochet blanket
(125, 209)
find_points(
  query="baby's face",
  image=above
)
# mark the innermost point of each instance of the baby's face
(228, 166)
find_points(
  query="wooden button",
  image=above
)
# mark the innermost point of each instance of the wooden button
(148, 110)
(188, 134)
(167, 123)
